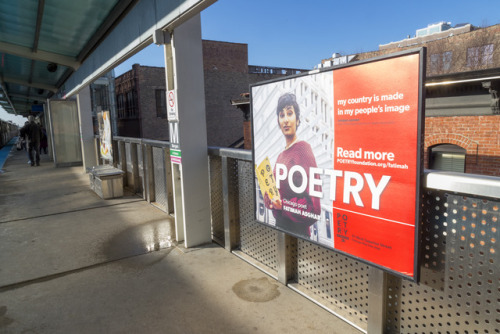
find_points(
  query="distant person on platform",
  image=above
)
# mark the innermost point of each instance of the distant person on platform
(34, 132)
(25, 139)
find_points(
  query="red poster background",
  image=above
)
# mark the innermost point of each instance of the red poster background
(385, 236)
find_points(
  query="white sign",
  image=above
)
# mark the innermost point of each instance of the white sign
(174, 135)
(172, 106)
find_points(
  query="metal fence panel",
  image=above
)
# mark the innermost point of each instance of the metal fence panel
(140, 171)
(130, 167)
(459, 289)
(459, 286)
(161, 194)
(256, 240)
(216, 199)
(337, 282)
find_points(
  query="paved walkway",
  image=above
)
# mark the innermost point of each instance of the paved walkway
(71, 262)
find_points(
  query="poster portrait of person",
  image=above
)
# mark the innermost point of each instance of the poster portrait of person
(295, 131)
(293, 211)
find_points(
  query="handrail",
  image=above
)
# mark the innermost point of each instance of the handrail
(472, 184)
(142, 141)
(235, 153)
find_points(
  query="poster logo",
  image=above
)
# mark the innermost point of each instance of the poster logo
(342, 227)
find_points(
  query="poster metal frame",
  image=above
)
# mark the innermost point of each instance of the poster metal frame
(419, 151)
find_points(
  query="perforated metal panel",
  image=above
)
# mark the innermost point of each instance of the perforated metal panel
(140, 160)
(140, 166)
(336, 281)
(256, 240)
(459, 289)
(121, 155)
(433, 230)
(460, 238)
(130, 166)
(216, 199)
(161, 195)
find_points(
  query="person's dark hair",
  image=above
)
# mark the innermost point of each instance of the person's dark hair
(286, 100)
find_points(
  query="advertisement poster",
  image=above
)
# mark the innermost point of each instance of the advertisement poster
(337, 157)
(105, 135)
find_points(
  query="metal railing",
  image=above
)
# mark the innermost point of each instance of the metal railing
(458, 290)
(146, 164)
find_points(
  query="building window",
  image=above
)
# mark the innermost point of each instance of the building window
(161, 103)
(447, 157)
(130, 108)
(447, 60)
(441, 62)
(126, 105)
(120, 106)
(480, 55)
(101, 97)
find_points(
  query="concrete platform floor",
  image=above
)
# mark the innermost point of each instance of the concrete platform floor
(71, 262)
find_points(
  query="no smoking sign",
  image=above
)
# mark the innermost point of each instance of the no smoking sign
(172, 107)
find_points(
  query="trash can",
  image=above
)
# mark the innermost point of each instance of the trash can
(106, 181)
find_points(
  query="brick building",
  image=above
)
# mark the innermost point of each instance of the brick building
(462, 125)
(227, 76)
(141, 103)
(140, 95)
(225, 67)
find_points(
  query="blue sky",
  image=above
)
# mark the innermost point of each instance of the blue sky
(299, 34)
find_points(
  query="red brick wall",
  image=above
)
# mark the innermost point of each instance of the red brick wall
(479, 135)
(149, 80)
(225, 57)
(226, 77)
(145, 80)
(458, 44)
(127, 127)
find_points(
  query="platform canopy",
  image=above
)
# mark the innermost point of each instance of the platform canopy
(56, 47)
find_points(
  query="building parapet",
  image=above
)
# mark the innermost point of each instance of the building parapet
(427, 38)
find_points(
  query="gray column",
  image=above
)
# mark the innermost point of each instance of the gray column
(84, 105)
(377, 295)
(191, 176)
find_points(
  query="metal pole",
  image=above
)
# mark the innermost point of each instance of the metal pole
(377, 295)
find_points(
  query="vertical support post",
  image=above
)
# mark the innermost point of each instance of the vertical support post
(97, 151)
(84, 105)
(135, 167)
(50, 134)
(149, 183)
(167, 168)
(141, 170)
(287, 248)
(230, 207)
(377, 296)
(116, 155)
(190, 175)
(123, 161)
(178, 199)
